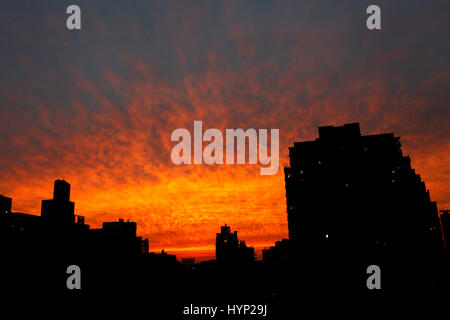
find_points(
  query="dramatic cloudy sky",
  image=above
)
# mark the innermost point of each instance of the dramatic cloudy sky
(97, 106)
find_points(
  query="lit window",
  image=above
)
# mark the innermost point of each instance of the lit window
(326, 236)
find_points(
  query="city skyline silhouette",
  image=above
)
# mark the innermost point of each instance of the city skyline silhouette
(101, 211)
(61, 210)
(353, 202)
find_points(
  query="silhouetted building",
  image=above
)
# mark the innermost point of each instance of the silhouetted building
(120, 238)
(356, 198)
(445, 221)
(278, 253)
(229, 250)
(61, 191)
(120, 228)
(58, 229)
(16, 223)
(60, 209)
(5, 205)
(48, 243)
(79, 223)
(19, 223)
(163, 258)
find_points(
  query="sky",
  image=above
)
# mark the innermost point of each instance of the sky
(97, 106)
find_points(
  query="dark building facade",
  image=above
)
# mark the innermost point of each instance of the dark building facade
(163, 258)
(58, 231)
(48, 243)
(119, 238)
(59, 209)
(356, 199)
(5, 205)
(229, 250)
(279, 253)
(445, 221)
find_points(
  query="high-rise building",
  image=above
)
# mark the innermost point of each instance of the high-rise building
(356, 198)
(60, 209)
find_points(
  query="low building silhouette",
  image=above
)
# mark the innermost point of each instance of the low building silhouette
(16, 227)
(277, 254)
(229, 250)
(119, 238)
(162, 259)
(58, 229)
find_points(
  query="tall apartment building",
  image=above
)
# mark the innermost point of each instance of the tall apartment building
(356, 199)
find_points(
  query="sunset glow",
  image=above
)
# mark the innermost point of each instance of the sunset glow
(98, 108)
